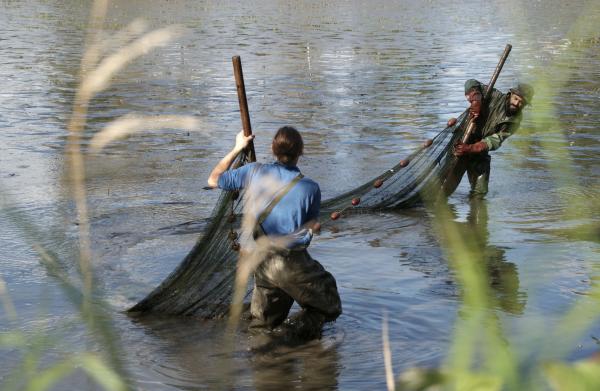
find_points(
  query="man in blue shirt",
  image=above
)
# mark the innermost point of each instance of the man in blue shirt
(287, 207)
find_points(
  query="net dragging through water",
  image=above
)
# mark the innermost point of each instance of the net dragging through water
(202, 285)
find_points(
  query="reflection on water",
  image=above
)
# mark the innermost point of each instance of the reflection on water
(502, 274)
(314, 366)
(366, 82)
(188, 353)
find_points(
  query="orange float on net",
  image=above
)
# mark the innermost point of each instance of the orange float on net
(428, 143)
(452, 121)
(404, 163)
(377, 184)
(316, 227)
(335, 215)
(355, 201)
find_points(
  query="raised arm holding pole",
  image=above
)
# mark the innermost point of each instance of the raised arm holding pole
(244, 140)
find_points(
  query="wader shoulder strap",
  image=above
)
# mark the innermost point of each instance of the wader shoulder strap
(263, 216)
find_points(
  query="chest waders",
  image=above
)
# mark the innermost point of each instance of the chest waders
(288, 275)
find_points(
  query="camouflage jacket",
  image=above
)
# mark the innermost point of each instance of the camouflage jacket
(494, 124)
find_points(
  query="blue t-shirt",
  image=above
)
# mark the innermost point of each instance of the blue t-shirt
(264, 181)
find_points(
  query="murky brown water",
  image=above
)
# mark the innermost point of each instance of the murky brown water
(365, 82)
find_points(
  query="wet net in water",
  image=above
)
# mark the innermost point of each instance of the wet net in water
(202, 285)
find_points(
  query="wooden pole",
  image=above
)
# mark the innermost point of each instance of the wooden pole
(245, 115)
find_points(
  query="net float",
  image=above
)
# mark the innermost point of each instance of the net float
(335, 215)
(428, 143)
(233, 235)
(452, 121)
(404, 163)
(377, 184)
(316, 227)
(355, 201)
(235, 246)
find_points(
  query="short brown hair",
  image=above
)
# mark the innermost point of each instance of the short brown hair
(287, 144)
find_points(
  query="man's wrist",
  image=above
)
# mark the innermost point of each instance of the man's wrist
(479, 147)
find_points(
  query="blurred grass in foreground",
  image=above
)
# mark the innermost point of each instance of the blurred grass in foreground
(104, 56)
(481, 357)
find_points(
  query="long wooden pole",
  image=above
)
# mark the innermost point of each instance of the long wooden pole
(245, 115)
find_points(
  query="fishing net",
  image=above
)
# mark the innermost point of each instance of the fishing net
(202, 285)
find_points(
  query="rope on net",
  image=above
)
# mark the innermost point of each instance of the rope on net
(202, 285)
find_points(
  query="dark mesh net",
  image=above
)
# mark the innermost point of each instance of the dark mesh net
(202, 285)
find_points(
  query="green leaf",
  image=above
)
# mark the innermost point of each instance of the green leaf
(46, 378)
(104, 375)
(90, 363)
(417, 379)
(12, 339)
(478, 382)
(582, 376)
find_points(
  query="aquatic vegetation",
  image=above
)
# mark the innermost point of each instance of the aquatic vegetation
(103, 58)
(482, 356)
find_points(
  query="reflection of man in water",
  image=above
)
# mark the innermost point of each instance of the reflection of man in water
(288, 272)
(495, 122)
(313, 366)
(503, 275)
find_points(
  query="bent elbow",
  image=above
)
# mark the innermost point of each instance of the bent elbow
(213, 182)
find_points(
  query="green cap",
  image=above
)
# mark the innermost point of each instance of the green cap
(472, 83)
(525, 91)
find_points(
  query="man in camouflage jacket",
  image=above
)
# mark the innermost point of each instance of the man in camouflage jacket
(495, 121)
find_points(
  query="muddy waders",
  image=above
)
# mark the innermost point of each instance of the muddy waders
(288, 275)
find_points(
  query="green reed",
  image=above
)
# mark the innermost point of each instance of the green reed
(482, 356)
(104, 56)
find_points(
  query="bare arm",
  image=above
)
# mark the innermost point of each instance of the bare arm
(241, 142)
